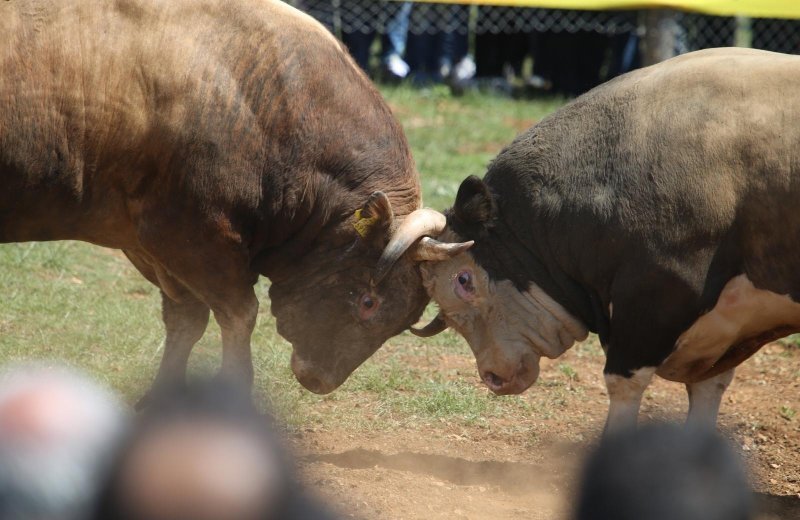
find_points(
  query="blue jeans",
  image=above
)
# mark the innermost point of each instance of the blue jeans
(392, 42)
(429, 51)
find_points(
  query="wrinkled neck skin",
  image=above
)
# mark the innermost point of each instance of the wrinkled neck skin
(321, 221)
(296, 226)
(500, 312)
(533, 273)
(544, 271)
(322, 168)
(328, 141)
(551, 328)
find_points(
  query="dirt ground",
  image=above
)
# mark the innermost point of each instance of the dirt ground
(527, 469)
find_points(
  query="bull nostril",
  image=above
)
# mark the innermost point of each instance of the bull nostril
(493, 380)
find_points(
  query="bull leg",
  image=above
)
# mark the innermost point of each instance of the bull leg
(185, 319)
(641, 336)
(186, 322)
(625, 396)
(215, 269)
(237, 319)
(705, 398)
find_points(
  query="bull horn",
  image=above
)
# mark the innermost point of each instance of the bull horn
(430, 249)
(433, 328)
(419, 223)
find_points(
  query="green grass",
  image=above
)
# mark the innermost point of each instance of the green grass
(86, 306)
(791, 341)
(453, 138)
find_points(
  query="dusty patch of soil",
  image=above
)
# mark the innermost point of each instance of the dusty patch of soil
(527, 468)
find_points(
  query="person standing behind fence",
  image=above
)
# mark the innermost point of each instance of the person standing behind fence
(581, 49)
(570, 48)
(501, 45)
(361, 22)
(438, 44)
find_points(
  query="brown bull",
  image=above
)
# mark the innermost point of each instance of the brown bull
(212, 142)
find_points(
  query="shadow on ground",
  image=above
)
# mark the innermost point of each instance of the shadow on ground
(515, 477)
(778, 506)
(512, 477)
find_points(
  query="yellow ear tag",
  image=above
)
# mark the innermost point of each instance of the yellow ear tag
(362, 224)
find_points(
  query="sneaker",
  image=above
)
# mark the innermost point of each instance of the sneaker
(464, 69)
(459, 77)
(395, 66)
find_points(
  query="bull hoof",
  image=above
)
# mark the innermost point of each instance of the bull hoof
(157, 392)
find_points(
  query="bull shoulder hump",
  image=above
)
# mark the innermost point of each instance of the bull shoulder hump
(703, 126)
(132, 67)
(193, 87)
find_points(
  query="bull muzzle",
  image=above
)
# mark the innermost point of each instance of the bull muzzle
(505, 379)
(311, 378)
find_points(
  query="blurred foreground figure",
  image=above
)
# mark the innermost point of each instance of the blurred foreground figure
(57, 431)
(665, 473)
(204, 453)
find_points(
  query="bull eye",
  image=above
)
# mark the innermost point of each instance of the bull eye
(367, 306)
(463, 284)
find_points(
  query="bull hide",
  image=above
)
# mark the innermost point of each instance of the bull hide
(658, 210)
(212, 141)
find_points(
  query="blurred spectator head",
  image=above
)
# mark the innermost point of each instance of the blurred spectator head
(57, 432)
(204, 452)
(665, 472)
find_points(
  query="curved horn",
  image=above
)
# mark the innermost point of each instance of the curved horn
(418, 223)
(433, 328)
(430, 249)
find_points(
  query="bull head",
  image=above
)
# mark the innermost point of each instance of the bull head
(508, 327)
(474, 203)
(413, 232)
(362, 292)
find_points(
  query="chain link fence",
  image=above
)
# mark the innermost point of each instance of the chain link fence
(572, 50)
(369, 16)
(697, 31)
(692, 31)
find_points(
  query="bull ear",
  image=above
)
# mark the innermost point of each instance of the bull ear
(474, 202)
(375, 215)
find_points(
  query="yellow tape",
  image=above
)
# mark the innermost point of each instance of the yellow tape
(754, 8)
(363, 224)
